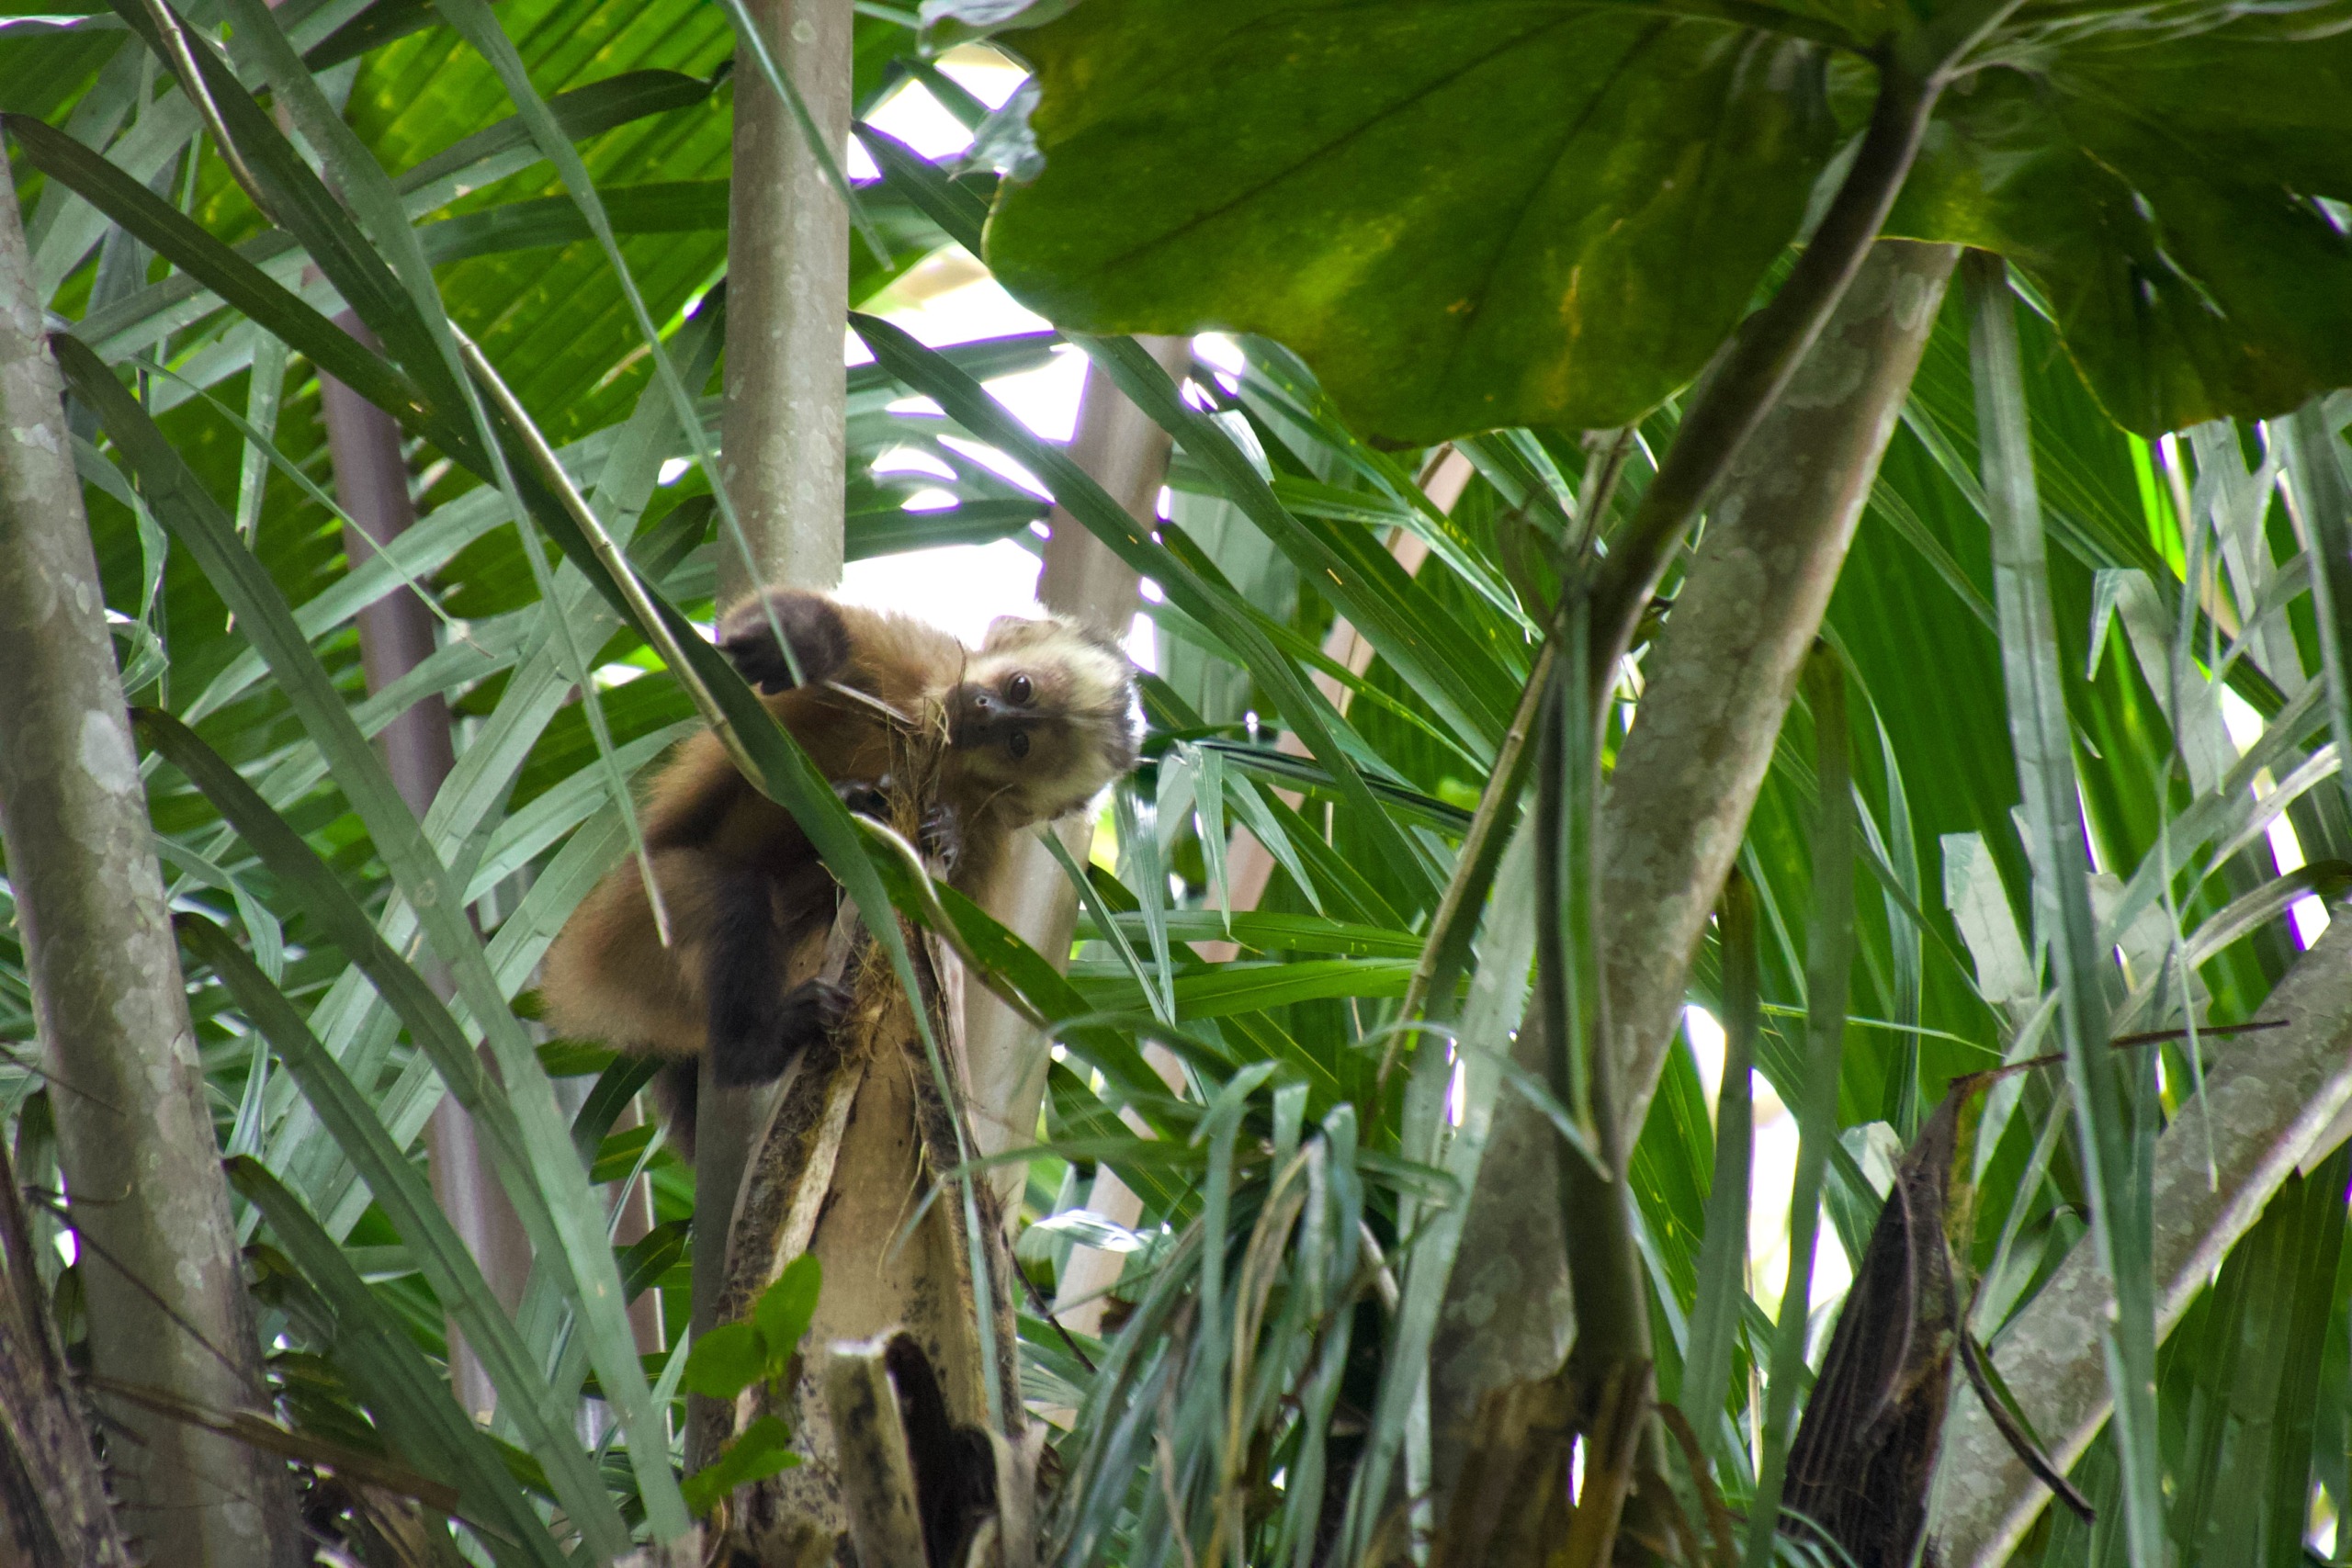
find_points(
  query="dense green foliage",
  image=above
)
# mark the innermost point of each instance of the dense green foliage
(1279, 1283)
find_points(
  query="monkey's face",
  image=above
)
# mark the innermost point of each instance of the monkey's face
(1043, 717)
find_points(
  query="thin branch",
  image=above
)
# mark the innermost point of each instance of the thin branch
(1762, 358)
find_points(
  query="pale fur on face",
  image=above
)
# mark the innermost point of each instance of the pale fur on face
(1086, 733)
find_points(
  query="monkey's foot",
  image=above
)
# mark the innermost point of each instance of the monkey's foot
(758, 1051)
(811, 1013)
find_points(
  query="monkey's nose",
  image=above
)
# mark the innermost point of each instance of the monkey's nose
(973, 714)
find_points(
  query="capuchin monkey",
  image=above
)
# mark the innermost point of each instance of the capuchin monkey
(1029, 728)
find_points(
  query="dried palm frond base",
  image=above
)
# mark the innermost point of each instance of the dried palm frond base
(891, 1409)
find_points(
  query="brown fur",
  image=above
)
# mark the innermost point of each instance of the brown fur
(747, 899)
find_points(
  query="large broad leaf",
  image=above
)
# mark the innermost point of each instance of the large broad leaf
(1463, 216)
(1550, 211)
(2160, 195)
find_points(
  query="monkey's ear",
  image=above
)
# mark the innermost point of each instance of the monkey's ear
(1012, 631)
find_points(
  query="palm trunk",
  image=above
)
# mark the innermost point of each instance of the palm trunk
(1719, 683)
(1127, 454)
(787, 307)
(781, 459)
(166, 1297)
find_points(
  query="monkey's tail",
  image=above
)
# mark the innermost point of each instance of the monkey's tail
(674, 1089)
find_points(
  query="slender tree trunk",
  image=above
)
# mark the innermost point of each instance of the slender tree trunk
(781, 459)
(1127, 455)
(396, 635)
(1249, 865)
(1723, 674)
(1719, 683)
(788, 306)
(166, 1298)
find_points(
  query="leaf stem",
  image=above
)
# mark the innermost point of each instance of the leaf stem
(1446, 952)
(1763, 355)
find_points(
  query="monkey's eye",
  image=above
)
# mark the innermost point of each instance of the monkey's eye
(1018, 741)
(1017, 692)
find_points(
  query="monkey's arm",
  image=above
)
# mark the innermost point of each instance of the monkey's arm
(757, 1025)
(812, 627)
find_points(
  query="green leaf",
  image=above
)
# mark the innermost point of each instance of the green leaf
(725, 1362)
(236, 280)
(2113, 1099)
(1461, 216)
(785, 1309)
(408, 1398)
(759, 1451)
(1293, 933)
(2160, 194)
(1236, 987)
(506, 146)
(379, 24)
(673, 207)
(525, 1397)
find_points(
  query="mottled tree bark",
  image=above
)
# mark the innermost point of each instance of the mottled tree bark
(166, 1298)
(1719, 682)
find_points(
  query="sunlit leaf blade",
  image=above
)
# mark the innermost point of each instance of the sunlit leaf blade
(1230, 165)
(2112, 1116)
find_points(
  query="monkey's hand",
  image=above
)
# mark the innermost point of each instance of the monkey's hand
(866, 799)
(811, 627)
(942, 836)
